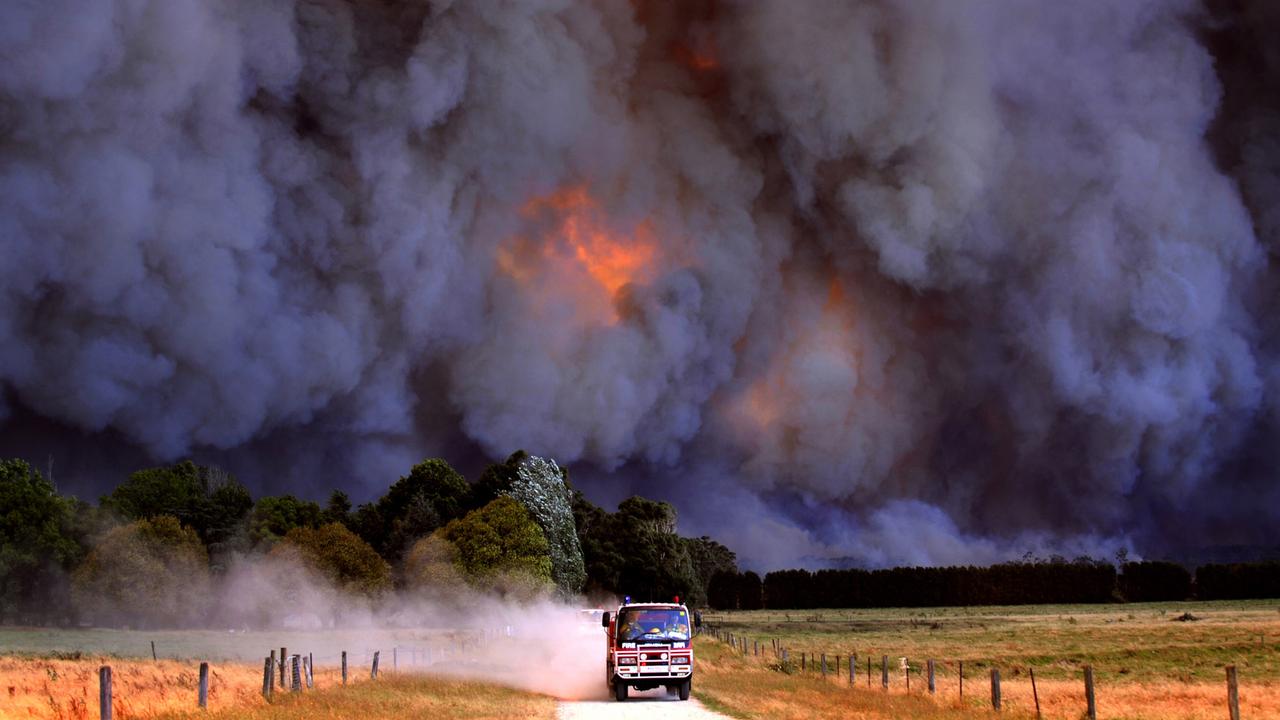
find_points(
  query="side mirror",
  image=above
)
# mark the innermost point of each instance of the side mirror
(604, 619)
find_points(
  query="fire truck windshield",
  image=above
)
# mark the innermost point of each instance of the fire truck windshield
(653, 625)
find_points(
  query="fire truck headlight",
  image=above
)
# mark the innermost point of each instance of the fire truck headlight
(663, 656)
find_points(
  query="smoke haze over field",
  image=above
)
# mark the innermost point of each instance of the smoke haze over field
(885, 282)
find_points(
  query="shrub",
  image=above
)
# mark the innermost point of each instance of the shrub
(341, 556)
(150, 573)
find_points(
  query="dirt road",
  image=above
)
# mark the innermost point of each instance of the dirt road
(648, 705)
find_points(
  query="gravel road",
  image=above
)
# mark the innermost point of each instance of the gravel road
(647, 705)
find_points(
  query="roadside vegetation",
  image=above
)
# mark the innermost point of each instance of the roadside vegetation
(67, 687)
(395, 698)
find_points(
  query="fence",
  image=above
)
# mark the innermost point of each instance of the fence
(818, 663)
(295, 673)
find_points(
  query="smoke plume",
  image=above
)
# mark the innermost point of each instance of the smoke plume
(891, 282)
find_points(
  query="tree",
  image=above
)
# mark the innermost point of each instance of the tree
(338, 508)
(207, 499)
(636, 550)
(341, 556)
(433, 493)
(601, 554)
(722, 591)
(540, 485)
(274, 517)
(708, 557)
(750, 591)
(500, 547)
(1154, 581)
(227, 508)
(431, 566)
(37, 543)
(150, 572)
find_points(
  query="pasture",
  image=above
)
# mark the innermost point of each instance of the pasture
(1162, 660)
(1150, 660)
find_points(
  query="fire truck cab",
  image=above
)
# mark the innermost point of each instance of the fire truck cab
(649, 645)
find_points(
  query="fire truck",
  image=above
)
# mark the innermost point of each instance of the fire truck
(649, 645)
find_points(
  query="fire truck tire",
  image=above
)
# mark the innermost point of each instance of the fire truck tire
(685, 687)
(619, 691)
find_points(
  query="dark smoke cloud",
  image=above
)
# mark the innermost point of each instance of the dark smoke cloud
(904, 281)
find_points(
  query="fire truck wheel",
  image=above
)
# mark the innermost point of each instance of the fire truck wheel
(619, 691)
(685, 687)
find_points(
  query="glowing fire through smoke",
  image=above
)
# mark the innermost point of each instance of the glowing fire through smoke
(828, 337)
(611, 258)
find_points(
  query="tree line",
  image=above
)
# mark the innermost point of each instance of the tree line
(149, 550)
(1027, 582)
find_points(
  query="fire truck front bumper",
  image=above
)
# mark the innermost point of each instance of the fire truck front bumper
(629, 673)
(653, 665)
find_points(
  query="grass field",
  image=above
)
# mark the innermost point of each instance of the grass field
(212, 645)
(68, 689)
(1147, 663)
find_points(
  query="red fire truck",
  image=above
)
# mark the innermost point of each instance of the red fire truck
(649, 645)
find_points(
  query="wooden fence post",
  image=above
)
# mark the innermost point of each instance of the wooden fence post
(311, 677)
(202, 695)
(1233, 693)
(853, 666)
(837, 666)
(1088, 692)
(1035, 694)
(374, 672)
(295, 684)
(884, 671)
(153, 650)
(995, 689)
(961, 679)
(906, 673)
(344, 667)
(284, 658)
(268, 675)
(104, 692)
(803, 666)
(868, 671)
(929, 665)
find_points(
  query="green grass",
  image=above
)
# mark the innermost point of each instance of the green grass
(212, 645)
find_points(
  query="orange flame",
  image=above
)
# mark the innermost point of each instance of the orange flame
(613, 259)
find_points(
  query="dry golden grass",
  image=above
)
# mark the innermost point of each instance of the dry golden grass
(746, 687)
(396, 698)
(51, 688)
(68, 690)
(1146, 666)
